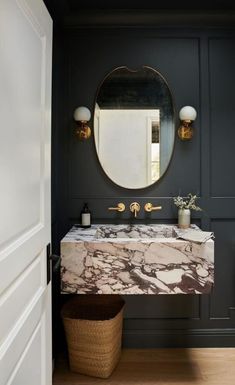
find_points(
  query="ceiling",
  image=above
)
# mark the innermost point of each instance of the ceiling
(75, 13)
(77, 5)
(150, 4)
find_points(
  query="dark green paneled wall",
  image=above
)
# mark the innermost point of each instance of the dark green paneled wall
(199, 67)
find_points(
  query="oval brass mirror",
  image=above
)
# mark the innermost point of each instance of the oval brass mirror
(134, 126)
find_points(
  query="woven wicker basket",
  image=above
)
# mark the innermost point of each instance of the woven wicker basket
(93, 328)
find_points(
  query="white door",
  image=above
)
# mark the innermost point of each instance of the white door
(25, 104)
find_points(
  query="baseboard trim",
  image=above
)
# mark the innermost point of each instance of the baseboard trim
(179, 338)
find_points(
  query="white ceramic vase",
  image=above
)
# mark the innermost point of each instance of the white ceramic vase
(184, 216)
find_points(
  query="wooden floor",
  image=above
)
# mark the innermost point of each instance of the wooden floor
(161, 367)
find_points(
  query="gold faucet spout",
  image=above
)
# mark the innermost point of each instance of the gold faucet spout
(135, 208)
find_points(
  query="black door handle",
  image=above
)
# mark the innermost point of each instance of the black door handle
(56, 259)
(53, 261)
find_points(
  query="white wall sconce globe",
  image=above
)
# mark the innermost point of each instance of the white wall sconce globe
(82, 114)
(188, 113)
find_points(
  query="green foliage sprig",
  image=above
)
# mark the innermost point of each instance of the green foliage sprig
(187, 203)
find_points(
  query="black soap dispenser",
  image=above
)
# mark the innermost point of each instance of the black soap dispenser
(85, 216)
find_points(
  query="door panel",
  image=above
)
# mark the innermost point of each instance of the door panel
(25, 132)
(18, 256)
(30, 358)
(19, 294)
(36, 317)
(23, 103)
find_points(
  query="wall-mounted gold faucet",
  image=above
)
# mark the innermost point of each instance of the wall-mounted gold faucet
(135, 208)
(149, 207)
(120, 207)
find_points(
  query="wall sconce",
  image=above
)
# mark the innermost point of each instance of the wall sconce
(82, 115)
(187, 115)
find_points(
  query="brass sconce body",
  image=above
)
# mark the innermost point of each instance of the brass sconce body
(82, 115)
(187, 115)
(185, 131)
(82, 130)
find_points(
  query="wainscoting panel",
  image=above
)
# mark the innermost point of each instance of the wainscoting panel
(223, 297)
(221, 81)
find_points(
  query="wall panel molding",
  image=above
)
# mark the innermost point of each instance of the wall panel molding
(175, 338)
(222, 300)
(222, 137)
(148, 18)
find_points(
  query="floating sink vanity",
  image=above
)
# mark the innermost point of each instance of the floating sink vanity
(135, 259)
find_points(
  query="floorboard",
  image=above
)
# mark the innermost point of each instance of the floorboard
(207, 366)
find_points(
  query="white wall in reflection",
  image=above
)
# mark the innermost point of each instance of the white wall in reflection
(128, 145)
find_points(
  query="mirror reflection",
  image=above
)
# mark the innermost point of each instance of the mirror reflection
(134, 126)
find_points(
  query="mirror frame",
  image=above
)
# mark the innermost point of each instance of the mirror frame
(173, 120)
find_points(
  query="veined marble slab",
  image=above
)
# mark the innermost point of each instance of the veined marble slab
(135, 259)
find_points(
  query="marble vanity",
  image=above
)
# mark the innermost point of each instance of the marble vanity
(135, 259)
